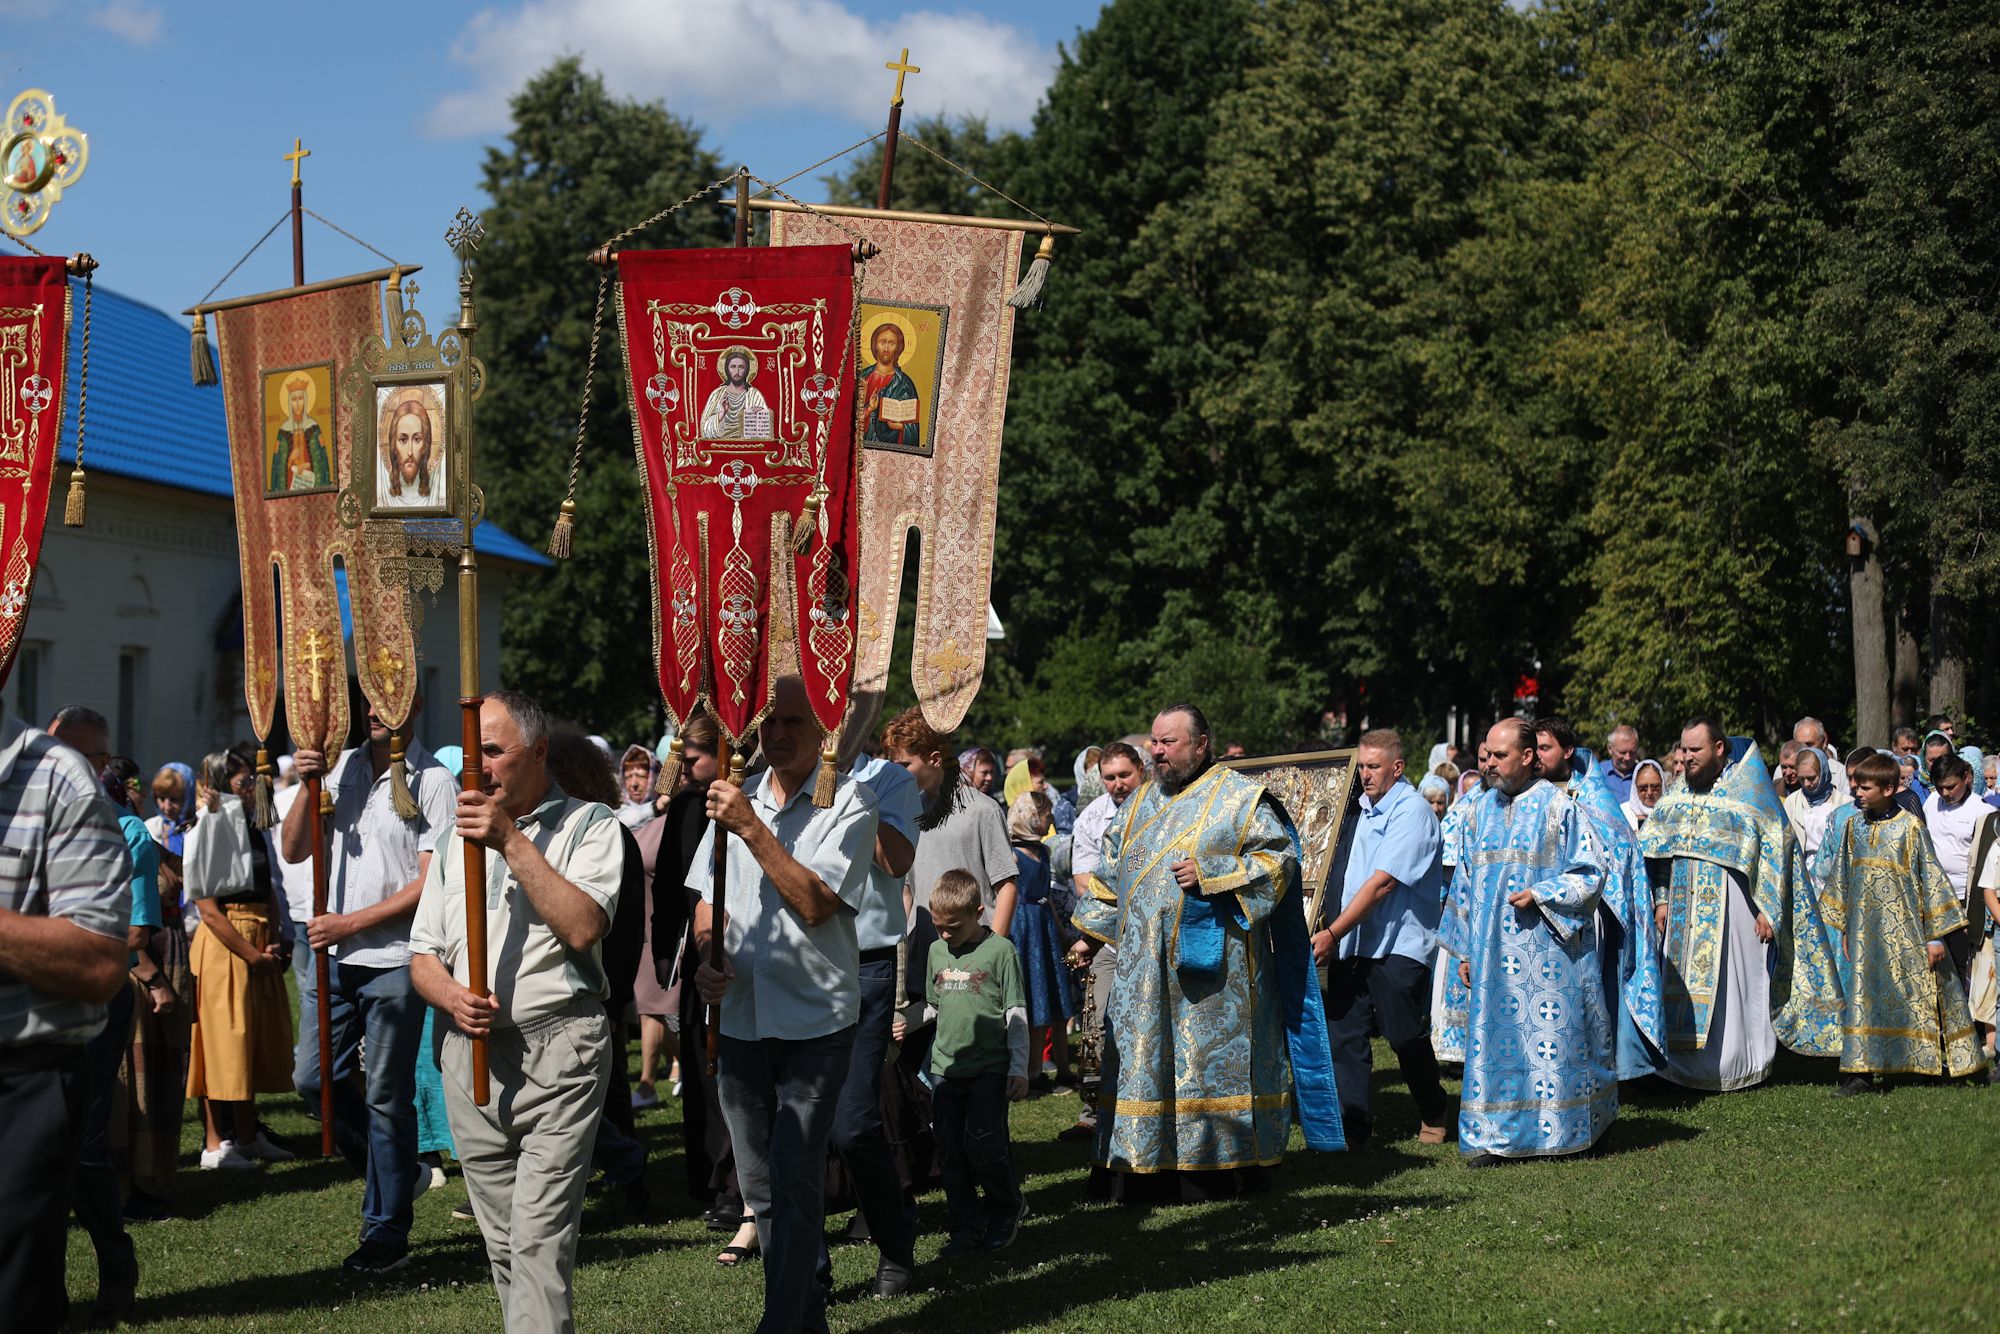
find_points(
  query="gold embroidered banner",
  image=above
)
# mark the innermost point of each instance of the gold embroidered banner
(291, 449)
(34, 329)
(936, 339)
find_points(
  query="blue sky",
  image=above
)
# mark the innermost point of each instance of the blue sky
(189, 105)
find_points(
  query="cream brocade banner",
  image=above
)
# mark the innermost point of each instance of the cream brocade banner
(937, 336)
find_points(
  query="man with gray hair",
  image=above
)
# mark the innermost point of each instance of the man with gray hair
(553, 865)
(1621, 760)
(1810, 731)
(65, 904)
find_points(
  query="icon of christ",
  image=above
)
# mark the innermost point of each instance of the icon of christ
(736, 409)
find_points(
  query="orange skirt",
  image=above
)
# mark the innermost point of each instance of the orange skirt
(242, 1040)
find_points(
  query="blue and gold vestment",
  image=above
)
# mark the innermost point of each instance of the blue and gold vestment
(1887, 896)
(1215, 1021)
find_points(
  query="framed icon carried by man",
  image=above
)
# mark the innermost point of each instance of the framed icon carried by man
(412, 462)
(1317, 790)
(299, 432)
(902, 367)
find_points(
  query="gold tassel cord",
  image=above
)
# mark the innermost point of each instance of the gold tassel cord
(400, 798)
(808, 523)
(199, 354)
(264, 810)
(829, 772)
(561, 539)
(670, 768)
(73, 505)
(1029, 293)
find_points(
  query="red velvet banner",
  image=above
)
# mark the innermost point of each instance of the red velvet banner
(740, 364)
(34, 327)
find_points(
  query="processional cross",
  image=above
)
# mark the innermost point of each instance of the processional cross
(298, 154)
(902, 66)
(316, 657)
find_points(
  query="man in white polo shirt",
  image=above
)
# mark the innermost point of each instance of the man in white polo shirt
(790, 992)
(375, 872)
(553, 865)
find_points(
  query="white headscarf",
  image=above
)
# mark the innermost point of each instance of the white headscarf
(1635, 810)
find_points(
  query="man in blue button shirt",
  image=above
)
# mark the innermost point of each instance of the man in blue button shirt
(1378, 951)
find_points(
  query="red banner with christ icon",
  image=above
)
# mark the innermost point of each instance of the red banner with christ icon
(34, 329)
(740, 366)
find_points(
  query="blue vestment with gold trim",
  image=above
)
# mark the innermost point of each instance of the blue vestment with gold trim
(1629, 942)
(1215, 1024)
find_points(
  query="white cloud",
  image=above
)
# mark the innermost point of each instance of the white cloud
(134, 20)
(717, 60)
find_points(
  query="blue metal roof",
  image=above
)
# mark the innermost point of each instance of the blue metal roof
(149, 421)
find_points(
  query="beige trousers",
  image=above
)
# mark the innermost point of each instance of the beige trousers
(526, 1153)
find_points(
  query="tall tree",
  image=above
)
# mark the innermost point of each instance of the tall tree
(579, 167)
(1911, 310)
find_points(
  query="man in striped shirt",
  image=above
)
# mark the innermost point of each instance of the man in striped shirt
(65, 902)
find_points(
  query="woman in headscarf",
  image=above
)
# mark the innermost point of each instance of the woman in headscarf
(636, 800)
(242, 1040)
(1050, 985)
(1646, 790)
(1811, 805)
(145, 1123)
(1437, 792)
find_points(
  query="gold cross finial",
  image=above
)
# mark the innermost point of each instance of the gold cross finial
(901, 64)
(316, 657)
(298, 154)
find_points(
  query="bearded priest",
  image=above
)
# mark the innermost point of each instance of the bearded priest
(1201, 1067)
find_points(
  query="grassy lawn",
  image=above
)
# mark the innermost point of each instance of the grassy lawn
(1775, 1208)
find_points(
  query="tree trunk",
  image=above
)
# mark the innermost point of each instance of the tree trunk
(1947, 655)
(1871, 643)
(1906, 673)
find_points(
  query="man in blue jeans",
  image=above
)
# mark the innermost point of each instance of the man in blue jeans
(375, 874)
(789, 990)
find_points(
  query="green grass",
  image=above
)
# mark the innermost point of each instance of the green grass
(1776, 1208)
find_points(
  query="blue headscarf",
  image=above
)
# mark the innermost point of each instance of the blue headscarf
(177, 832)
(1822, 792)
(1971, 755)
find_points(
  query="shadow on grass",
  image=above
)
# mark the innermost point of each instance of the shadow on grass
(198, 1194)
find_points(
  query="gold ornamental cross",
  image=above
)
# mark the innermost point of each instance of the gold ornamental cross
(901, 64)
(316, 657)
(388, 667)
(298, 154)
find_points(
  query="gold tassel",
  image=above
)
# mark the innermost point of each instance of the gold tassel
(559, 540)
(73, 507)
(670, 769)
(400, 800)
(1029, 293)
(204, 363)
(264, 811)
(802, 538)
(829, 773)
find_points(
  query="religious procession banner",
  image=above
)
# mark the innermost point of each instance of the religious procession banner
(739, 364)
(289, 364)
(34, 343)
(936, 340)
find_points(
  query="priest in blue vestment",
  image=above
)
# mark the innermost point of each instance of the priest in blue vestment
(1540, 1059)
(1628, 935)
(1215, 1031)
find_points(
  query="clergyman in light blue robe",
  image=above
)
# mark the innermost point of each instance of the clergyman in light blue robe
(1540, 1060)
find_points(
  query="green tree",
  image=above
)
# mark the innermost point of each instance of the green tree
(579, 167)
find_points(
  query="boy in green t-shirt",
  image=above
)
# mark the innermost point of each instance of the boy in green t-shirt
(979, 1063)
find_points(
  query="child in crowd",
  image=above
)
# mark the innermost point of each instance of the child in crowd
(979, 1063)
(1886, 894)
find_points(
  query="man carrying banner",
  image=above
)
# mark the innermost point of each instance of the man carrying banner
(1201, 1067)
(553, 865)
(376, 873)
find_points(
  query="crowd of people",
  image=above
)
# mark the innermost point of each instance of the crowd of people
(847, 984)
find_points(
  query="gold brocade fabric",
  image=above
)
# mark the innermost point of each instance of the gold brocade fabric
(1889, 897)
(1196, 1072)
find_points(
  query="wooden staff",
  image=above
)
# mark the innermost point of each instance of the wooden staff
(902, 66)
(319, 805)
(726, 766)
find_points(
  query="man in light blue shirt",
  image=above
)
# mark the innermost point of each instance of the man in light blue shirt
(797, 876)
(859, 1136)
(1378, 950)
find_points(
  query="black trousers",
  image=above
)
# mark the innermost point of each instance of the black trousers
(970, 1117)
(1396, 993)
(96, 1200)
(41, 1105)
(859, 1136)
